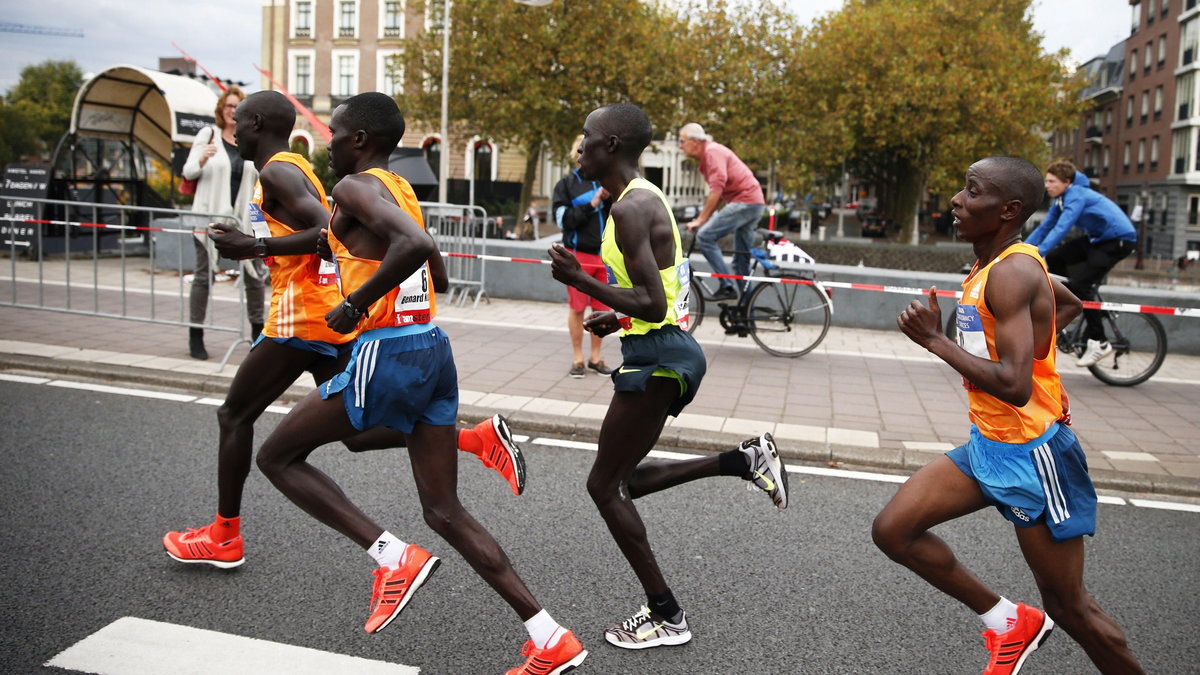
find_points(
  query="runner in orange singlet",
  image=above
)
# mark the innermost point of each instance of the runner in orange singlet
(402, 376)
(1022, 457)
(288, 211)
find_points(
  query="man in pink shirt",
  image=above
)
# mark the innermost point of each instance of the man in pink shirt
(730, 181)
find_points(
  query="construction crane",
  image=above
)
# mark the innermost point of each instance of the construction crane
(9, 27)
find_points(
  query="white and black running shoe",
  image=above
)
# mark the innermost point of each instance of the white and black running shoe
(647, 629)
(766, 468)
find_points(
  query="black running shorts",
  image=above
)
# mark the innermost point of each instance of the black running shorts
(663, 352)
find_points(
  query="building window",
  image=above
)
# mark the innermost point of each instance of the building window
(1104, 166)
(1136, 22)
(434, 13)
(1128, 152)
(346, 69)
(483, 161)
(1147, 58)
(302, 28)
(1141, 165)
(1108, 120)
(432, 147)
(1145, 106)
(1187, 42)
(1133, 61)
(1194, 210)
(302, 75)
(391, 72)
(1129, 112)
(347, 18)
(1154, 154)
(1162, 51)
(1158, 102)
(1179, 150)
(393, 19)
(1184, 92)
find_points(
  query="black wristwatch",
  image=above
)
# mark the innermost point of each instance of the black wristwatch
(353, 312)
(260, 247)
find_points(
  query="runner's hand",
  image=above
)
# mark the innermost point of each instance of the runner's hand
(231, 242)
(922, 325)
(564, 265)
(323, 248)
(602, 323)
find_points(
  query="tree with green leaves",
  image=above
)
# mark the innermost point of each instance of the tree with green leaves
(908, 93)
(528, 76)
(40, 107)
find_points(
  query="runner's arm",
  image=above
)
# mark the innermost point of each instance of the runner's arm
(437, 271)
(1066, 305)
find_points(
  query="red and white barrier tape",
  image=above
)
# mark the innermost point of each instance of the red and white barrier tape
(905, 290)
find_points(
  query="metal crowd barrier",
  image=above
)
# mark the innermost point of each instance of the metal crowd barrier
(101, 260)
(461, 229)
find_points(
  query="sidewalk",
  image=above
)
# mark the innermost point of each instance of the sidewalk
(863, 398)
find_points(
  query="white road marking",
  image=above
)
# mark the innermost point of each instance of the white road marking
(133, 646)
(124, 391)
(1169, 506)
(24, 379)
(1110, 500)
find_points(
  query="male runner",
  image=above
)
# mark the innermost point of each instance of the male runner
(287, 212)
(1022, 457)
(401, 376)
(662, 366)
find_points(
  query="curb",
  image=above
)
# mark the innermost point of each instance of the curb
(588, 430)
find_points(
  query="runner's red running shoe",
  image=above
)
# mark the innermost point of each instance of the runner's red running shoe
(563, 657)
(500, 452)
(1010, 649)
(197, 546)
(394, 586)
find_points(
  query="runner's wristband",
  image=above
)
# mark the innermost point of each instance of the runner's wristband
(353, 312)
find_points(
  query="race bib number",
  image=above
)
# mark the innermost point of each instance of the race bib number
(970, 335)
(327, 274)
(684, 272)
(258, 223)
(413, 302)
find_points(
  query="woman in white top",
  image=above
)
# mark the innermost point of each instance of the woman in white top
(224, 184)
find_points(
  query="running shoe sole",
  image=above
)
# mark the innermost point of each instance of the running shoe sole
(427, 571)
(667, 641)
(775, 467)
(570, 665)
(500, 425)
(215, 563)
(1043, 634)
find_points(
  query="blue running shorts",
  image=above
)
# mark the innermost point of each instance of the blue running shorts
(397, 377)
(666, 351)
(329, 352)
(1044, 480)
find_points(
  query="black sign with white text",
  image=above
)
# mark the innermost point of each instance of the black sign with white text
(30, 181)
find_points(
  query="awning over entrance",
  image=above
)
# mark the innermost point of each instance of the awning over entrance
(156, 110)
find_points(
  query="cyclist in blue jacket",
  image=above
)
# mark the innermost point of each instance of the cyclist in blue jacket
(1110, 238)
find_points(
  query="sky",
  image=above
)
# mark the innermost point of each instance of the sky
(225, 35)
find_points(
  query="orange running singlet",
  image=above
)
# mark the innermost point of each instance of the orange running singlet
(997, 420)
(303, 287)
(413, 301)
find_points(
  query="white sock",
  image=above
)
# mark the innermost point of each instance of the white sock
(387, 550)
(1000, 618)
(544, 630)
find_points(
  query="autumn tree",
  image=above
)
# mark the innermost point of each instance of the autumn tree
(910, 92)
(37, 110)
(528, 76)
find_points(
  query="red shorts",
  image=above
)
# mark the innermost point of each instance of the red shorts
(594, 266)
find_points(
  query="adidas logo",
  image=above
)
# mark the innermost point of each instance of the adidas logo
(382, 545)
(1010, 623)
(1019, 513)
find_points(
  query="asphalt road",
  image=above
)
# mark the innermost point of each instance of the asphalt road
(92, 480)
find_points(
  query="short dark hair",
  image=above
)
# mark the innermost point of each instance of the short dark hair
(1018, 179)
(1063, 170)
(378, 115)
(278, 114)
(631, 125)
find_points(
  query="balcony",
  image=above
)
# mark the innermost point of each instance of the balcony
(1089, 171)
(303, 32)
(1093, 135)
(391, 31)
(346, 32)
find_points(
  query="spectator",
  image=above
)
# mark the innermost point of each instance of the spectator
(224, 184)
(580, 209)
(1110, 238)
(731, 181)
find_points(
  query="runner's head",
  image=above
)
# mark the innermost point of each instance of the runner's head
(263, 117)
(1018, 180)
(613, 135)
(1000, 194)
(367, 125)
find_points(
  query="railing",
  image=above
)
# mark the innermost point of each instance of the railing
(118, 284)
(460, 228)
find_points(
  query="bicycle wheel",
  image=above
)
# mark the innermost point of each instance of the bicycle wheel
(1139, 346)
(696, 292)
(788, 319)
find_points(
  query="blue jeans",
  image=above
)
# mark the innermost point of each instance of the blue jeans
(741, 219)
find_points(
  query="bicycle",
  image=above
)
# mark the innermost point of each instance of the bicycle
(784, 319)
(1139, 344)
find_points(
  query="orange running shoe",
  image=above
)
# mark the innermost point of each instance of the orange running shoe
(563, 657)
(197, 546)
(394, 586)
(1010, 649)
(501, 453)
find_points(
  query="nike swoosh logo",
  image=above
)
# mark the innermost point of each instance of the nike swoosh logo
(629, 370)
(770, 483)
(643, 634)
